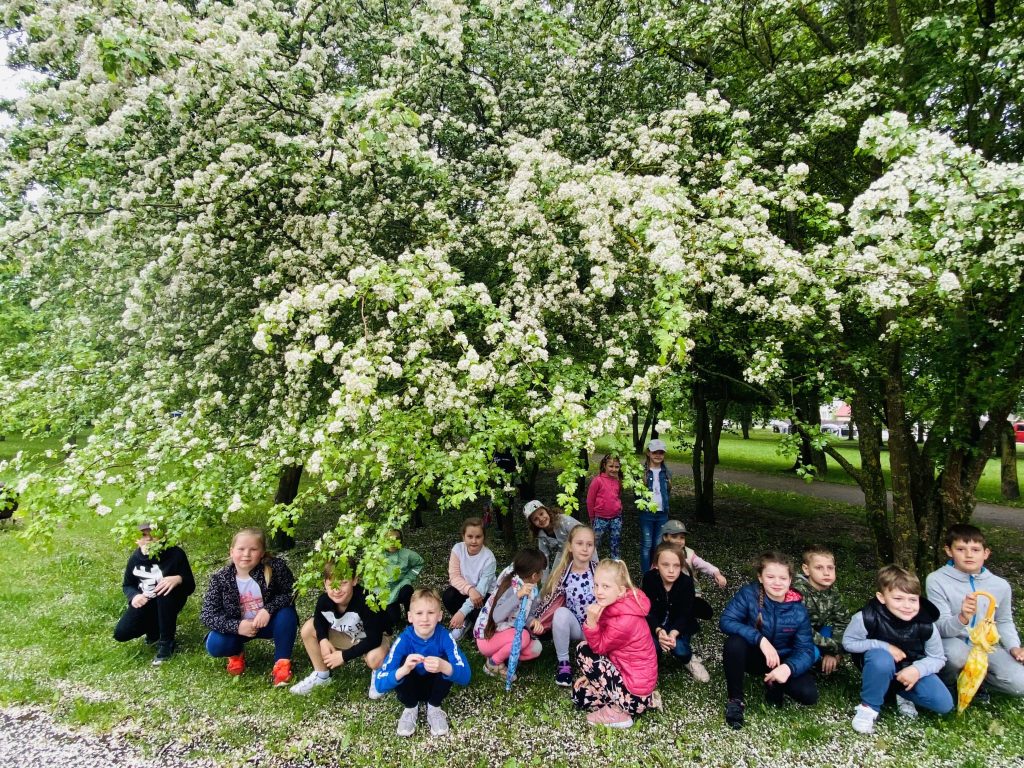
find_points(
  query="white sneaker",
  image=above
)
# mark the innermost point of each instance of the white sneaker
(906, 707)
(407, 722)
(698, 670)
(374, 693)
(307, 684)
(437, 720)
(864, 719)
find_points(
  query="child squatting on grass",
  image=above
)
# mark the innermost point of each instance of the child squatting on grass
(549, 528)
(251, 597)
(829, 616)
(157, 588)
(674, 532)
(494, 630)
(471, 568)
(898, 646)
(406, 566)
(617, 663)
(768, 634)
(951, 588)
(604, 504)
(423, 664)
(567, 593)
(344, 627)
(674, 605)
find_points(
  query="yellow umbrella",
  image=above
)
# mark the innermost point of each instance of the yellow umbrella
(984, 637)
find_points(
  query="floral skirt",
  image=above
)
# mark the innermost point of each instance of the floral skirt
(600, 684)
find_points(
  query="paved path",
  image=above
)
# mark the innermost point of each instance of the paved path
(989, 514)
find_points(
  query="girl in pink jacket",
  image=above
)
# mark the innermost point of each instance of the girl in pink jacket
(618, 662)
(604, 504)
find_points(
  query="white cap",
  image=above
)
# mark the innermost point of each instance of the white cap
(657, 445)
(531, 507)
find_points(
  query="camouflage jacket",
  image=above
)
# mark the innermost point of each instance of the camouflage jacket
(826, 609)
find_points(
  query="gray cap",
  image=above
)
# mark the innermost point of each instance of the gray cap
(532, 506)
(673, 527)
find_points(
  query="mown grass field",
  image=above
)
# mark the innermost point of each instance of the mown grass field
(59, 603)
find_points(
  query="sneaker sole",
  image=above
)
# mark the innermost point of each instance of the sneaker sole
(567, 684)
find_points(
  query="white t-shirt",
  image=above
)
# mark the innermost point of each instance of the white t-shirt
(656, 487)
(250, 596)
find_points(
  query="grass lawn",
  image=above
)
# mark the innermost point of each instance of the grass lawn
(761, 454)
(60, 603)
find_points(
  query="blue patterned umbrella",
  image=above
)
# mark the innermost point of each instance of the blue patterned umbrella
(517, 640)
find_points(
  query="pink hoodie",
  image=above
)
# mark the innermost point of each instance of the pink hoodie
(623, 636)
(603, 497)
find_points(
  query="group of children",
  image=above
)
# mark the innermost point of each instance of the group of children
(782, 629)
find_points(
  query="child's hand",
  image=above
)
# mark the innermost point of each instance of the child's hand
(666, 640)
(139, 600)
(261, 619)
(829, 664)
(246, 628)
(457, 620)
(909, 676)
(411, 661)
(720, 580)
(436, 665)
(771, 656)
(968, 608)
(1018, 653)
(896, 653)
(334, 659)
(594, 612)
(525, 591)
(536, 628)
(476, 597)
(779, 675)
(166, 584)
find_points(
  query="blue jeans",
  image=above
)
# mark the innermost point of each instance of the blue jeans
(613, 525)
(880, 673)
(281, 630)
(650, 537)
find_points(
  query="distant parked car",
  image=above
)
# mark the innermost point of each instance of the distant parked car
(832, 429)
(1018, 431)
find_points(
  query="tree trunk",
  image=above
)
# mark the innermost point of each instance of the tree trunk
(871, 477)
(703, 496)
(808, 412)
(287, 490)
(581, 487)
(651, 418)
(1009, 486)
(506, 521)
(906, 541)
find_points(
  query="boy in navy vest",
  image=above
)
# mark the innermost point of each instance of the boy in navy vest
(895, 640)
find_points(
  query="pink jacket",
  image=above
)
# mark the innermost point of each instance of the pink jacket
(623, 636)
(603, 497)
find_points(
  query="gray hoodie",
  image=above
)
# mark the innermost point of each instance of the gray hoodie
(947, 588)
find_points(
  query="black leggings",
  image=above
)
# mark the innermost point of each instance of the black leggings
(414, 688)
(157, 619)
(453, 600)
(741, 658)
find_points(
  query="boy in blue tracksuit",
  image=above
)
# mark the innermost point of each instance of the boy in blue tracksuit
(423, 664)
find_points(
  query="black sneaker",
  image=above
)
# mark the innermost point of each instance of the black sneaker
(164, 649)
(734, 713)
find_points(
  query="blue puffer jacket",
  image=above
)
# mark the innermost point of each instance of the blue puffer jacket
(786, 625)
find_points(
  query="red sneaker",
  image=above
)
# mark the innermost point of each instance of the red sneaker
(282, 673)
(236, 664)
